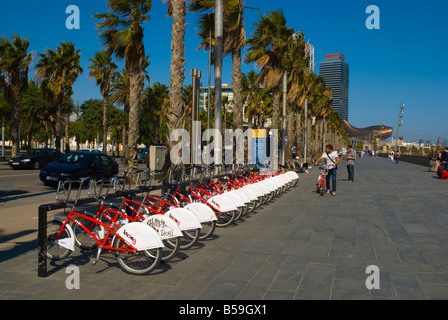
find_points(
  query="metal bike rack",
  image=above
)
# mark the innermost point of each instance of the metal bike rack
(58, 205)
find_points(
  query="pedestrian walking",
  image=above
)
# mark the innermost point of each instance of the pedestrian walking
(351, 157)
(433, 156)
(392, 155)
(397, 157)
(331, 160)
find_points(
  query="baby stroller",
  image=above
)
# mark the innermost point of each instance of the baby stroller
(442, 171)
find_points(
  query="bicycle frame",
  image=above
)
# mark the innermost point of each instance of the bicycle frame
(106, 242)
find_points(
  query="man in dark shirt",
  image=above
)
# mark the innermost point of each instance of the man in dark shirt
(351, 157)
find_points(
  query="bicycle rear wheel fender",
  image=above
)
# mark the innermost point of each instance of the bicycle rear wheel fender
(235, 198)
(185, 219)
(255, 190)
(285, 177)
(249, 193)
(278, 182)
(68, 243)
(202, 211)
(222, 203)
(269, 185)
(166, 227)
(242, 195)
(293, 175)
(140, 236)
(262, 188)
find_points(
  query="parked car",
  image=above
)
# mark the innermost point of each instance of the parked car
(143, 155)
(90, 150)
(76, 165)
(35, 159)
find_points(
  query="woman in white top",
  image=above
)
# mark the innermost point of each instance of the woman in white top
(331, 160)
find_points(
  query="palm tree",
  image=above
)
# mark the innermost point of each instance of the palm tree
(155, 105)
(102, 69)
(234, 40)
(176, 113)
(296, 64)
(122, 35)
(59, 70)
(15, 62)
(258, 101)
(119, 94)
(187, 94)
(267, 48)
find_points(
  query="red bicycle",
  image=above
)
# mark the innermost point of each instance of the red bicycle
(136, 246)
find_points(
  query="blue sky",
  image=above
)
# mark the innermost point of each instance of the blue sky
(405, 60)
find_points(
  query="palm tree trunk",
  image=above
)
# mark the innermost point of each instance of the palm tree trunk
(125, 140)
(67, 133)
(275, 108)
(290, 140)
(105, 104)
(298, 135)
(177, 108)
(15, 130)
(135, 86)
(316, 143)
(237, 90)
(58, 124)
(309, 139)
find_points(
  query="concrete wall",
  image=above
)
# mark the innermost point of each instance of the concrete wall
(420, 160)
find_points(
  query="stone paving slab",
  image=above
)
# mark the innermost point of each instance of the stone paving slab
(300, 246)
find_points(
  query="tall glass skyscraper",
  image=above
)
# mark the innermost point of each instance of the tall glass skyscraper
(334, 69)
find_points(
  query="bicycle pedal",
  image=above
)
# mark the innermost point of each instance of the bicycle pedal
(97, 257)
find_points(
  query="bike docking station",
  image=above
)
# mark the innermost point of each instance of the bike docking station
(60, 204)
(141, 233)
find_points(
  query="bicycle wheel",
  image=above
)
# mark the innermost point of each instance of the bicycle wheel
(322, 189)
(171, 248)
(82, 238)
(189, 239)
(238, 213)
(136, 262)
(55, 238)
(251, 206)
(225, 218)
(207, 230)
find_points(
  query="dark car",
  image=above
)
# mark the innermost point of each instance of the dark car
(90, 150)
(35, 159)
(76, 165)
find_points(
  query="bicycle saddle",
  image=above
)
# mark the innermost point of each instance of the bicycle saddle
(128, 194)
(171, 185)
(150, 188)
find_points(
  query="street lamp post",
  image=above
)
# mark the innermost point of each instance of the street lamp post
(400, 123)
(285, 84)
(195, 129)
(3, 136)
(219, 8)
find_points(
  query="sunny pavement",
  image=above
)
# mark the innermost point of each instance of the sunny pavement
(300, 246)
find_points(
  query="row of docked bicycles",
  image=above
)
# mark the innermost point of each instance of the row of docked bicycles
(147, 223)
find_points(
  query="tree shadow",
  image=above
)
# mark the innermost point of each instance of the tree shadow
(6, 196)
(19, 248)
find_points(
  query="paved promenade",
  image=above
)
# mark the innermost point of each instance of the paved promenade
(301, 246)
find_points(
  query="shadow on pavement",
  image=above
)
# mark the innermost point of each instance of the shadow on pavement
(6, 196)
